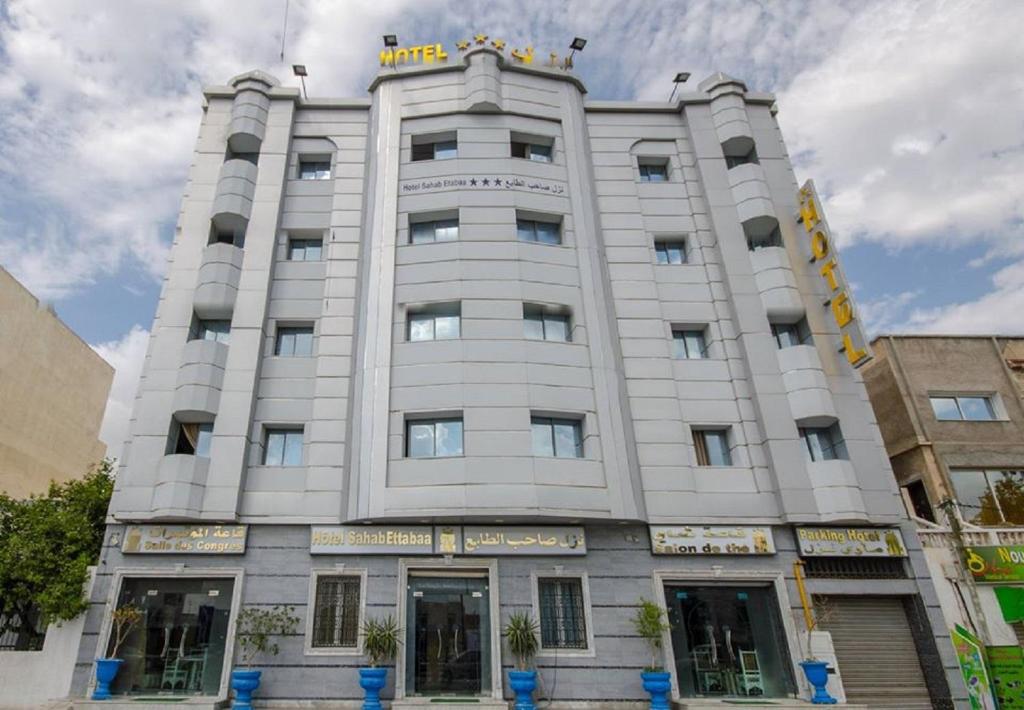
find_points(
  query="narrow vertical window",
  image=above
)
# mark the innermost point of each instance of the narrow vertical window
(283, 447)
(563, 621)
(712, 447)
(336, 611)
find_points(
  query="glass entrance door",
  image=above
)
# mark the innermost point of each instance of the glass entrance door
(448, 636)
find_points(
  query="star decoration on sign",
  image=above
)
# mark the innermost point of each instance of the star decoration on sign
(498, 44)
(462, 44)
(497, 182)
(485, 182)
(472, 182)
(480, 39)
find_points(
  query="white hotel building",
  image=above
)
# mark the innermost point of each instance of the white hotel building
(478, 343)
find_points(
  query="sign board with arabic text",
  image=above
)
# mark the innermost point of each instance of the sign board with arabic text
(711, 540)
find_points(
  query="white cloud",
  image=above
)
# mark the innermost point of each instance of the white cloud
(997, 312)
(126, 356)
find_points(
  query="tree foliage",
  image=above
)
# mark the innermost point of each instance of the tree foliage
(47, 543)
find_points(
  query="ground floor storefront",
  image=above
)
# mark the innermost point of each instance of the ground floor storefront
(730, 592)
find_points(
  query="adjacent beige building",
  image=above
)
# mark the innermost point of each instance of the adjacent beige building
(53, 389)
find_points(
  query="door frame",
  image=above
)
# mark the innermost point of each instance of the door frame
(451, 567)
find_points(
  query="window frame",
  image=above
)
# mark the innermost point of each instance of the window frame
(551, 422)
(588, 617)
(990, 486)
(705, 351)
(177, 431)
(800, 328)
(434, 311)
(666, 246)
(836, 443)
(700, 448)
(528, 149)
(340, 570)
(433, 141)
(293, 330)
(433, 420)
(305, 242)
(434, 225)
(533, 222)
(533, 312)
(200, 326)
(318, 173)
(284, 429)
(989, 399)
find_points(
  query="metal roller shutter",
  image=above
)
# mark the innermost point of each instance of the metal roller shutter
(876, 653)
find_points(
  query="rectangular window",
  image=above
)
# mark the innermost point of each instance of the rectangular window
(294, 341)
(689, 345)
(731, 161)
(712, 446)
(824, 443)
(434, 150)
(990, 497)
(762, 239)
(314, 170)
(563, 620)
(538, 152)
(437, 322)
(433, 438)
(789, 334)
(305, 249)
(670, 252)
(530, 230)
(219, 330)
(561, 438)
(540, 324)
(336, 611)
(972, 408)
(651, 171)
(283, 447)
(919, 502)
(442, 230)
(191, 438)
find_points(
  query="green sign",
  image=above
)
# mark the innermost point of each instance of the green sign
(1006, 665)
(1011, 603)
(971, 656)
(996, 563)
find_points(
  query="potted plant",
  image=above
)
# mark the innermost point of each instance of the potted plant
(124, 621)
(380, 644)
(521, 632)
(255, 627)
(649, 622)
(816, 671)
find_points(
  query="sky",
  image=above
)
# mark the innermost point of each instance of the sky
(908, 115)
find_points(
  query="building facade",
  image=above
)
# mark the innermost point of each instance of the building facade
(54, 390)
(951, 413)
(477, 344)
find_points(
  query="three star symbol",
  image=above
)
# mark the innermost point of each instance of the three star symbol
(480, 39)
(499, 44)
(462, 44)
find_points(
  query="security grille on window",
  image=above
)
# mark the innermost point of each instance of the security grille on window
(294, 341)
(543, 325)
(788, 335)
(670, 252)
(990, 497)
(563, 622)
(437, 322)
(824, 443)
(653, 171)
(561, 438)
(442, 230)
(963, 407)
(218, 330)
(336, 612)
(305, 249)
(712, 447)
(531, 151)
(436, 150)
(531, 230)
(689, 345)
(429, 438)
(283, 447)
(315, 170)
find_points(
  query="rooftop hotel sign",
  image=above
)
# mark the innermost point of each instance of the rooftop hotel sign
(826, 263)
(433, 53)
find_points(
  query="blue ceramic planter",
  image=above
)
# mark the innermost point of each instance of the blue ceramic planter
(244, 683)
(372, 680)
(817, 675)
(657, 684)
(523, 684)
(106, 671)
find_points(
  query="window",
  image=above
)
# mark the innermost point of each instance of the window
(689, 345)
(538, 152)
(442, 230)
(431, 438)
(294, 341)
(247, 157)
(336, 611)
(917, 495)
(990, 497)
(219, 330)
(739, 150)
(824, 443)
(653, 171)
(305, 249)
(318, 169)
(712, 446)
(427, 149)
(789, 334)
(762, 238)
(563, 622)
(191, 438)
(26, 631)
(972, 408)
(283, 447)
(437, 322)
(541, 324)
(561, 438)
(731, 161)
(670, 252)
(222, 235)
(530, 230)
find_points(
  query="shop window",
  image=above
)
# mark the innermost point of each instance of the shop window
(305, 249)
(210, 329)
(971, 408)
(433, 438)
(824, 443)
(314, 169)
(542, 323)
(435, 147)
(441, 230)
(190, 438)
(788, 335)
(179, 647)
(990, 497)
(294, 341)
(728, 641)
(653, 169)
(670, 251)
(336, 611)
(712, 447)
(540, 231)
(534, 148)
(440, 321)
(561, 438)
(689, 344)
(563, 621)
(283, 447)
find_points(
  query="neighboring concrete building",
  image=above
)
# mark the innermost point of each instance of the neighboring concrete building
(951, 413)
(53, 390)
(478, 343)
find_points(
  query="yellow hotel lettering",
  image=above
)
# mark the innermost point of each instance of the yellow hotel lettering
(426, 53)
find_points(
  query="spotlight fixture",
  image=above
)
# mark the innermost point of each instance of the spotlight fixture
(390, 40)
(300, 71)
(578, 43)
(681, 78)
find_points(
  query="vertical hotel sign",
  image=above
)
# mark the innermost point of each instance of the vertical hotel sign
(826, 262)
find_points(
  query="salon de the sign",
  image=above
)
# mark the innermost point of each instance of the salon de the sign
(446, 540)
(435, 53)
(711, 540)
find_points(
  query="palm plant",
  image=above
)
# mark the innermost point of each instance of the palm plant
(521, 632)
(380, 640)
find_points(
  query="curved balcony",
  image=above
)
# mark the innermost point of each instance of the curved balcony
(217, 285)
(483, 82)
(836, 491)
(200, 379)
(236, 188)
(806, 387)
(776, 282)
(248, 121)
(750, 192)
(729, 114)
(181, 484)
